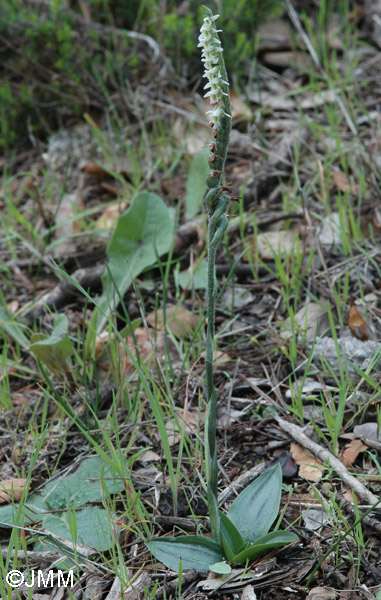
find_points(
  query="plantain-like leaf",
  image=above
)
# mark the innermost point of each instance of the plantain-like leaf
(55, 349)
(142, 234)
(255, 509)
(194, 551)
(231, 539)
(275, 539)
(221, 568)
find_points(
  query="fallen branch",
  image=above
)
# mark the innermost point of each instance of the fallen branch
(325, 456)
(240, 483)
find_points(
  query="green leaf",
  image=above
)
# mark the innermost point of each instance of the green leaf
(29, 512)
(275, 539)
(83, 486)
(195, 552)
(12, 328)
(91, 527)
(221, 568)
(142, 234)
(255, 509)
(76, 490)
(231, 539)
(196, 185)
(55, 349)
(195, 277)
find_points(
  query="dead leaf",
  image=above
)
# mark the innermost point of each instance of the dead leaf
(281, 125)
(320, 593)
(274, 242)
(143, 344)
(240, 110)
(351, 452)
(110, 215)
(271, 100)
(315, 518)
(13, 306)
(109, 188)
(308, 322)
(342, 183)
(11, 490)
(92, 168)
(309, 467)
(149, 456)
(219, 357)
(195, 138)
(318, 99)
(329, 231)
(287, 59)
(67, 224)
(370, 224)
(369, 431)
(274, 35)
(349, 497)
(358, 324)
(179, 319)
(189, 421)
(248, 593)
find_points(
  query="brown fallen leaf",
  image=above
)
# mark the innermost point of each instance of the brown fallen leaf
(143, 344)
(320, 593)
(181, 321)
(189, 421)
(342, 183)
(92, 168)
(109, 188)
(370, 225)
(110, 215)
(219, 357)
(309, 467)
(358, 324)
(351, 452)
(349, 497)
(13, 306)
(11, 490)
(240, 110)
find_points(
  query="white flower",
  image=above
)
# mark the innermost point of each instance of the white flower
(211, 51)
(215, 114)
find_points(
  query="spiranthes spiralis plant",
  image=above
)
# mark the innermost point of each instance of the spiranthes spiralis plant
(243, 533)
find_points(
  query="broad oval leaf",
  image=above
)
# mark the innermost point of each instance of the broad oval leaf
(55, 349)
(275, 539)
(142, 234)
(255, 509)
(231, 539)
(194, 551)
(221, 568)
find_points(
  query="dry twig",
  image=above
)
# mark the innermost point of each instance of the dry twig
(325, 456)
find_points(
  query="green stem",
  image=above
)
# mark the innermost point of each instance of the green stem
(212, 398)
(217, 203)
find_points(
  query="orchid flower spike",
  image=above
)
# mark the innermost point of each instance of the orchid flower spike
(215, 72)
